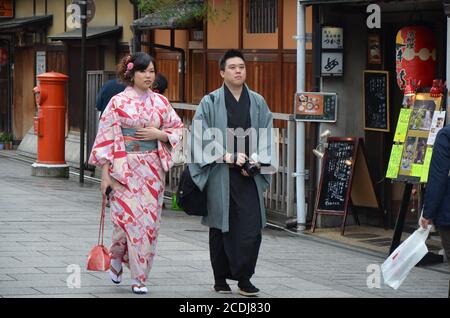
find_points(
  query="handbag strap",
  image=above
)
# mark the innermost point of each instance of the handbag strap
(101, 229)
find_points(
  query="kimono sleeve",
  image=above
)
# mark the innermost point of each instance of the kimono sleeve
(109, 146)
(103, 148)
(266, 150)
(207, 141)
(172, 126)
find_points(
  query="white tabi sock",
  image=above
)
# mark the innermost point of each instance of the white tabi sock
(117, 264)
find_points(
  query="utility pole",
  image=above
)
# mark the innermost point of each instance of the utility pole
(83, 6)
(300, 126)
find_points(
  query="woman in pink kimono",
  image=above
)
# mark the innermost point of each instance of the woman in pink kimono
(134, 143)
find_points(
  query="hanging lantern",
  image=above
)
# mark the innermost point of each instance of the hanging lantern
(415, 56)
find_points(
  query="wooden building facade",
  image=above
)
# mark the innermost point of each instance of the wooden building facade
(263, 30)
(41, 36)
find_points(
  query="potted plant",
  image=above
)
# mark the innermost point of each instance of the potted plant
(2, 140)
(7, 139)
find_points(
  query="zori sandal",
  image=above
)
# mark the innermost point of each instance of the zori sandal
(139, 289)
(116, 276)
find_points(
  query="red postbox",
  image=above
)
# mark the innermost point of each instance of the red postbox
(49, 125)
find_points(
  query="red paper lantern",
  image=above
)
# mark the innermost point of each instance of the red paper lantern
(415, 58)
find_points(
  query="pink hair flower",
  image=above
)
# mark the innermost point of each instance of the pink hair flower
(130, 66)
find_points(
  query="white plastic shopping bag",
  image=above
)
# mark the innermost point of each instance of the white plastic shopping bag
(397, 266)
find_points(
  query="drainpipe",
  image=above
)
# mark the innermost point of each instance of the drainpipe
(300, 126)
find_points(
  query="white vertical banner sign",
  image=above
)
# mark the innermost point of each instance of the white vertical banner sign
(41, 65)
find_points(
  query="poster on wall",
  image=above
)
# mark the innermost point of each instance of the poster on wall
(374, 49)
(40, 63)
(436, 124)
(6, 9)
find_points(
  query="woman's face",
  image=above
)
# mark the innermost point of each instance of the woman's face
(143, 80)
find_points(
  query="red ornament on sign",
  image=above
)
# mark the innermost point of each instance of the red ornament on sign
(415, 58)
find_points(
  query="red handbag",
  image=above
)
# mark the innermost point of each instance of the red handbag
(99, 258)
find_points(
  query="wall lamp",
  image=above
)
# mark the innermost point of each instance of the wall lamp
(319, 151)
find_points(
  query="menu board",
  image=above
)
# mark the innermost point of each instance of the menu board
(376, 100)
(345, 180)
(320, 107)
(336, 176)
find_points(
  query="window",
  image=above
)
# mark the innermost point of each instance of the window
(262, 16)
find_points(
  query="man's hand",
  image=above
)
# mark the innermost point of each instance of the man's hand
(423, 222)
(237, 158)
(228, 158)
(240, 158)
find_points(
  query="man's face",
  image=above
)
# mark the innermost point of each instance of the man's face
(234, 73)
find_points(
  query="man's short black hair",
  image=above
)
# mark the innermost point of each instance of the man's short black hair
(228, 55)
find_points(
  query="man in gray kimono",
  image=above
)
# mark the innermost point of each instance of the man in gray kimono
(237, 124)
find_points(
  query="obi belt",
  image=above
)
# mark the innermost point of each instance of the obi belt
(132, 144)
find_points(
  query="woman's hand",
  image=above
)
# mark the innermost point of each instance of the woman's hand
(107, 181)
(151, 133)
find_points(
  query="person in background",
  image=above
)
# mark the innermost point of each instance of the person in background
(160, 84)
(108, 90)
(436, 207)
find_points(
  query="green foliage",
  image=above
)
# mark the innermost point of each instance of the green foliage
(186, 11)
(5, 137)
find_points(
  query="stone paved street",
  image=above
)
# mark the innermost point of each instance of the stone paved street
(48, 224)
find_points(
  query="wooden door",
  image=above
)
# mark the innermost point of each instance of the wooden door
(24, 108)
(197, 77)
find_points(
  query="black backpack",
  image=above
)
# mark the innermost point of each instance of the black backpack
(189, 197)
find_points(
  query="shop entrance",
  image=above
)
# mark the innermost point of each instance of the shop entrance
(391, 193)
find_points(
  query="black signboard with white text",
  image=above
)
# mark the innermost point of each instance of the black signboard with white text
(345, 180)
(376, 100)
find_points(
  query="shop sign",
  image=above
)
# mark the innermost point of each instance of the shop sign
(332, 63)
(321, 107)
(332, 51)
(332, 38)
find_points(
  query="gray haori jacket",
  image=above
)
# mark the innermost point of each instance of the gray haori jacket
(209, 172)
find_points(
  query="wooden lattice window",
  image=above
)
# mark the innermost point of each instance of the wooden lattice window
(262, 16)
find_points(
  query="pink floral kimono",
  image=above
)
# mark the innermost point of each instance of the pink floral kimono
(136, 205)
